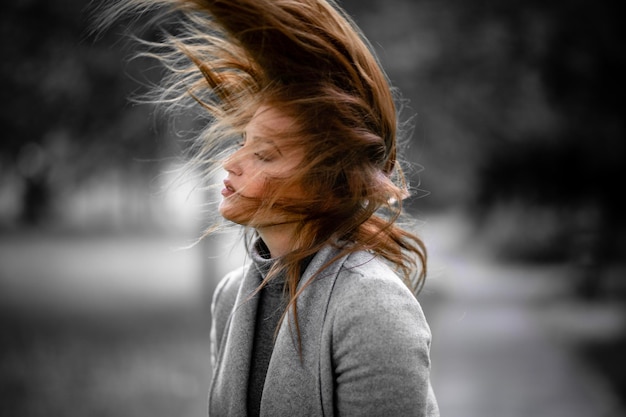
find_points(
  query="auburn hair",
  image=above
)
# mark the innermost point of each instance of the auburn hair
(309, 60)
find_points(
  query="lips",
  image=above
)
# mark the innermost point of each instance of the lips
(228, 189)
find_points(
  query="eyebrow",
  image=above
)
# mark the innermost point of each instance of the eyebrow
(268, 141)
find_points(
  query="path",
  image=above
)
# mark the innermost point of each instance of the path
(504, 336)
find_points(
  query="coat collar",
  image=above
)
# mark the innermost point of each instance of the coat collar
(231, 381)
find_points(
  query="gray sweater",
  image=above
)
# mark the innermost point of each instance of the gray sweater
(365, 345)
(271, 303)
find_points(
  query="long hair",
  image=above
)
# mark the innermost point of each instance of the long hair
(309, 60)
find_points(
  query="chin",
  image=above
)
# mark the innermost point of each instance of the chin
(228, 212)
(234, 211)
(246, 213)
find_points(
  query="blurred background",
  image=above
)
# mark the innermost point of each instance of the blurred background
(516, 158)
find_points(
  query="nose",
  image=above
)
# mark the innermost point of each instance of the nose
(232, 164)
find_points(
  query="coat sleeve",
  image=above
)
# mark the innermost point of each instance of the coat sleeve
(381, 344)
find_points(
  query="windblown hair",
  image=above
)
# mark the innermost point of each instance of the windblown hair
(309, 60)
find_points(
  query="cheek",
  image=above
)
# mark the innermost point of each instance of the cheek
(284, 188)
(296, 190)
(257, 187)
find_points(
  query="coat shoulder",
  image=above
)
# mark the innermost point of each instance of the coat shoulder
(380, 342)
(367, 291)
(364, 275)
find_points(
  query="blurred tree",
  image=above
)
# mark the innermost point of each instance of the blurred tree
(518, 104)
(65, 111)
(575, 166)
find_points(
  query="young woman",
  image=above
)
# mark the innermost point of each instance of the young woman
(302, 120)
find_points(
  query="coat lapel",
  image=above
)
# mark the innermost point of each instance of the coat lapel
(231, 381)
(291, 385)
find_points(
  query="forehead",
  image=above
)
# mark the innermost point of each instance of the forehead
(268, 120)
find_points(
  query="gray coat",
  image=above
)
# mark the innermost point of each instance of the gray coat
(364, 337)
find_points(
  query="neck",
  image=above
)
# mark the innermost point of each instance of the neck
(278, 238)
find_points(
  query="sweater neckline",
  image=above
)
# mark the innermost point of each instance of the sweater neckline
(260, 255)
(262, 261)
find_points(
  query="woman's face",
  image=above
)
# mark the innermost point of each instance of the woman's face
(262, 157)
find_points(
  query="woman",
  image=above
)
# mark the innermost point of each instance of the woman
(324, 320)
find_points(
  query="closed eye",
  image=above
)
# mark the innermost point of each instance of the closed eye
(263, 149)
(265, 156)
